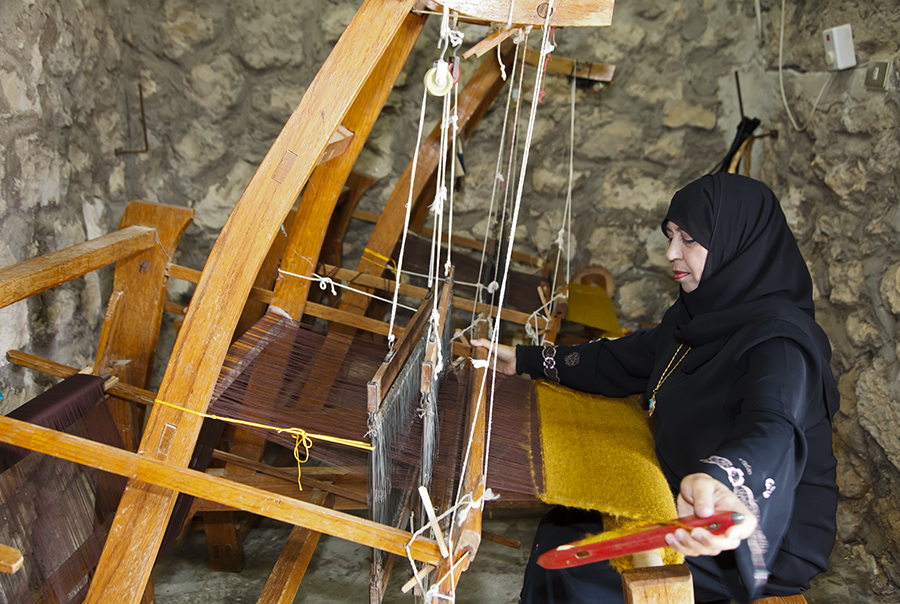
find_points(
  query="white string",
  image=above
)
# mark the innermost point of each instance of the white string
(497, 177)
(455, 121)
(546, 48)
(566, 226)
(412, 184)
(466, 503)
(324, 282)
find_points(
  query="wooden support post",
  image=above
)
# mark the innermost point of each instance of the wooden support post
(658, 585)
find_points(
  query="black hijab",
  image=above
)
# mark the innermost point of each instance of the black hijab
(754, 270)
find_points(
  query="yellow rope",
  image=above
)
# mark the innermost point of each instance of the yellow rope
(386, 262)
(301, 437)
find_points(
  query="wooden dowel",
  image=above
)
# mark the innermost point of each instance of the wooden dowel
(488, 536)
(433, 522)
(123, 391)
(417, 578)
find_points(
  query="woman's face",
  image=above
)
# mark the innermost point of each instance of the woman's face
(686, 256)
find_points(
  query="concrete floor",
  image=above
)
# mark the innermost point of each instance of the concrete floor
(339, 570)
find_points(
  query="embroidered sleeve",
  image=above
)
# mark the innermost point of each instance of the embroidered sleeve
(757, 542)
(549, 354)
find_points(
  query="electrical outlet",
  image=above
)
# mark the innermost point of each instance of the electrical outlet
(877, 74)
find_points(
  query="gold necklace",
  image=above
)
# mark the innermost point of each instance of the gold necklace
(666, 373)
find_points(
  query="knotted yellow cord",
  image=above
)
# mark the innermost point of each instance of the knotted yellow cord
(301, 437)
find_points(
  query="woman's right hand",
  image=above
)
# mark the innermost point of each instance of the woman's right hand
(506, 355)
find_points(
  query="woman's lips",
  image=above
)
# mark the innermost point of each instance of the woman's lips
(680, 275)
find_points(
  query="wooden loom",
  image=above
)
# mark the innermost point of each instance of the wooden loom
(348, 92)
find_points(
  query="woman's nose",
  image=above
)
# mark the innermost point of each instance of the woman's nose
(673, 251)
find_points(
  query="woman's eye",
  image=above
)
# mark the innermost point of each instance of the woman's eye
(688, 241)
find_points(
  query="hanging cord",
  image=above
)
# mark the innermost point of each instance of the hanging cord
(565, 246)
(455, 135)
(511, 168)
(464, 505)
(546, 49)
(498, 178)
(781, 81)
(412, 184)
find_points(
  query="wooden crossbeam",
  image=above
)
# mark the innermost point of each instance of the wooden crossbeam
(31, 277)
(572, 13)
(165, 476)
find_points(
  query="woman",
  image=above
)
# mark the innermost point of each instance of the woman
(738, 381)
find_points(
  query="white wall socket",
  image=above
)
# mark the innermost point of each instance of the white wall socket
(839, 52)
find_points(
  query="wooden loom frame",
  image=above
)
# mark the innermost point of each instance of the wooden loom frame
(362, 67)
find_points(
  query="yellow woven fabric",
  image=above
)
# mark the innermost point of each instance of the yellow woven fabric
(598, 454)
(590, 305)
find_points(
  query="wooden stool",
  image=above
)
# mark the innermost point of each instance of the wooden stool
(673, 585)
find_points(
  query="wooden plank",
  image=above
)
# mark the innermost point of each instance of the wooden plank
(164, 476)
(31, 277)
(490, 42)
(798, 599)
(200, 348)
(142, 279)
(598, 72)
(381, 382)
(333, 245)
(285, 578)
(570, 13)
(107, 332)
(658, 585)
(414, 291)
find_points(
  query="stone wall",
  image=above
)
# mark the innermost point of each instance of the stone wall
(219, 80)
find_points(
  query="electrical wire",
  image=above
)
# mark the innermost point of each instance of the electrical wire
(781, 81)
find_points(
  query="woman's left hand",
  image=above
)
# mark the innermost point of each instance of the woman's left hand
(702, 496)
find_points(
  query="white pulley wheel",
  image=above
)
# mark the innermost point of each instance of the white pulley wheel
(438, 80)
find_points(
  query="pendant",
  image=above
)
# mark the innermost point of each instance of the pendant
(652, 405)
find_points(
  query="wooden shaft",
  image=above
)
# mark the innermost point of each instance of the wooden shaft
(155, 472)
